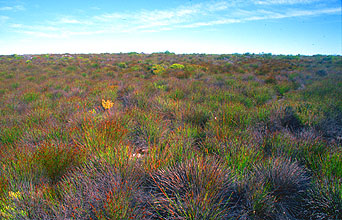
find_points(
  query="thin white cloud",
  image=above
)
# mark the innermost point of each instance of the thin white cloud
(43, 28)
(169, 16)
(39, 34)
(265, 15)
(300, 13)
(69, 21)
(212, 23)
(127, 22)
(184, 16)
(95, 8)
(218, 6)
(285, 2)
(3, 19)
(6, 8)
(19, 8)
(60, 34)
(16, 25)
(109, 17)
(294, 13)
(12, 8)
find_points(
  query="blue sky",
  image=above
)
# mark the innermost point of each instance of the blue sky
(189, 26)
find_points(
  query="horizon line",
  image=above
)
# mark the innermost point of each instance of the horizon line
(169, 52)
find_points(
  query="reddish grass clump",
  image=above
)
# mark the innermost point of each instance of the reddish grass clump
(57, 159)
(97, 191)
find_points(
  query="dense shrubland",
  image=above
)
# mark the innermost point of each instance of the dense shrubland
(165, 136)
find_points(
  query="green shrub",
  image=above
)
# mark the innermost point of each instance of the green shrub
(95, 65)
(177, 66)
(9, 76)
(158, 69)
(122, 65)
(161, 84)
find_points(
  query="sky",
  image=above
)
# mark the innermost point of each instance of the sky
(293, 27)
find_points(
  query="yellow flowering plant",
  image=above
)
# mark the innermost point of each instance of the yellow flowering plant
(107, 104)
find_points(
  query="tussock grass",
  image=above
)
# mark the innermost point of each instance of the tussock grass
(195, 189)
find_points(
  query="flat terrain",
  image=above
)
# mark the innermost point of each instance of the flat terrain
(166, 136)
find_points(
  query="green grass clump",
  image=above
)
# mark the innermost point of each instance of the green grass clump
(30, 97)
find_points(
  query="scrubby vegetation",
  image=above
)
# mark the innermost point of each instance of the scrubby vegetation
(166, 136)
